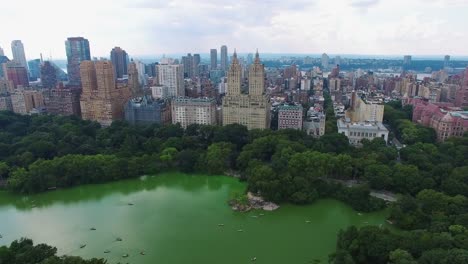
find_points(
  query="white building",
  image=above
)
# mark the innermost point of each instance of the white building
(172, 76)
(159, 91)
(305, 84)
(187, 111)
(356, 132)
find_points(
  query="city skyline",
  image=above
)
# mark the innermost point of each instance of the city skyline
(145, 28)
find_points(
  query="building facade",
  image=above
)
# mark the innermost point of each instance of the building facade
(144, 110)
(213, 59)
(446, 120)
(77, 50)
(224, 58)
(172, 76)
(314, 124)
(357, 131)
(16, 74)
(119, 58)
(101, 99)
(19, 56)
(62, 101)
(5, 103)
(48, 75)
(24, 101)
(252, 109)
(362, 110)
(290, 116)
(187, 111)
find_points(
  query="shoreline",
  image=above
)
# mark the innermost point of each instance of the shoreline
(252, 202)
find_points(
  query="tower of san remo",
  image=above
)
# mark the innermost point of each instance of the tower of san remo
(252, 109)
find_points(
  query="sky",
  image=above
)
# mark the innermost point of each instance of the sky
(155, 27)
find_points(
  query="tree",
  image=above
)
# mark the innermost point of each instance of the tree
(400, 256)
(219, 157)
(379, 176)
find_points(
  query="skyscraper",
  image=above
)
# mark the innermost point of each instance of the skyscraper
(325, 61)
(133, 82)
(19, 56)
(77, 49)
(446, 61)
(101, 99)
(48, 75)
(224, 58)
(172, 76)
(187, 61)
(213, 59)
(2, 53)
(407, 60)
(196, 63)
(34, 69)
(253, 109)
(119, 59)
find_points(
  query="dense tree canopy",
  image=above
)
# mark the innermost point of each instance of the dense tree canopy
(24, 251)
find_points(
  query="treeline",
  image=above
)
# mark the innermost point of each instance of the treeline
(41, 152)
(380, 246)
(24, 251)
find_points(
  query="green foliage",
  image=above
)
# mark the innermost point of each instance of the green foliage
(23, 251)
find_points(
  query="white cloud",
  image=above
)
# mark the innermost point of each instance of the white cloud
(148, 27)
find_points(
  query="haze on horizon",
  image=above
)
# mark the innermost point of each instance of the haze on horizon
(150, 27)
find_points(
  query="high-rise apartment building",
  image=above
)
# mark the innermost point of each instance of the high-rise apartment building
(187, 111)
(24, 101)
(119, 59)
(172, 76)
(48, 75)
(133, 82)
(15, 73)
(2, 53)
(224, 58)
(213, 59)
(62, 100)
(101, 99)
(252, 109)
(19, 56)
(365, 110)
(77, 49)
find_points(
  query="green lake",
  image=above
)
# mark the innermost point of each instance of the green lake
(174, 219)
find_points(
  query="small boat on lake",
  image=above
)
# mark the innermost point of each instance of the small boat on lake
(106, 251)
(142, 253)
(307, 221)
(220, 224)
(253, 259)
(130, 203)
(118, 239)
(92, 229)
(82, 245)
(240, 230)
(125, 256)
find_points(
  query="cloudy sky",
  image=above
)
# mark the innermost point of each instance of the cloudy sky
(154, 27)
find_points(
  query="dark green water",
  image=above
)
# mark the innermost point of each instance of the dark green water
(174, 219)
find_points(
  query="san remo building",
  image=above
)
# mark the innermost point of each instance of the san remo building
(253, 109)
